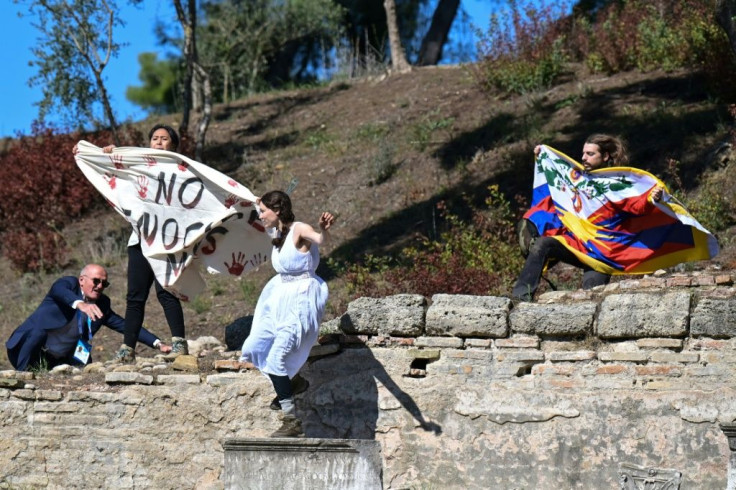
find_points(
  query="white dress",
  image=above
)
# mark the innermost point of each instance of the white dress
(288, 313)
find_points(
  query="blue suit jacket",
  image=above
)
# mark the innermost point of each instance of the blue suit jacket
(55, 311)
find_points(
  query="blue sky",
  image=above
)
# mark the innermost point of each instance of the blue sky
(17, 36)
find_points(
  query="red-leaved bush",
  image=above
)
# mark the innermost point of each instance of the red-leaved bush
(43, 190)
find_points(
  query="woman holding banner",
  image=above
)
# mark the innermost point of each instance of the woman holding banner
(141, 276)
(599, 151)
(289, 310)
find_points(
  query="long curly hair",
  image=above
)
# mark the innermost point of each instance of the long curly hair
(613, 145)
(280, 203)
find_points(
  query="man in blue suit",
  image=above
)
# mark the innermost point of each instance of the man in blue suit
(60, 330)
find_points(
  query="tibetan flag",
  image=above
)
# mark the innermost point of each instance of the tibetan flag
(183, 212)
(607, 219)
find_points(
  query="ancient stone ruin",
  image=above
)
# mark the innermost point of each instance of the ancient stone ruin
(603, 389)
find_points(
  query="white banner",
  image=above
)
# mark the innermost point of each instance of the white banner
(184, 212)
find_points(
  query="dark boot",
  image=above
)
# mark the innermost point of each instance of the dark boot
(291, 426)
(125, 355)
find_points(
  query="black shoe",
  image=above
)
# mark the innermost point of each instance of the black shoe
(275, 405)
(298, 385)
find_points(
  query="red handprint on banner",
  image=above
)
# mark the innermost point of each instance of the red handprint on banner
(258, 259)
(238, 265)
(231, 199)
(142, 186)
(111, 180)
(117, 161)
(246, 204)
(150, 160)
(232, 183)
(183, 166)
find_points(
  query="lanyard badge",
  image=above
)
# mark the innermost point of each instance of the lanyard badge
(84, 348)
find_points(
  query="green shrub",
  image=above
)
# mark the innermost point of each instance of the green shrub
(523, 49)
(44, 191)
(478, 256)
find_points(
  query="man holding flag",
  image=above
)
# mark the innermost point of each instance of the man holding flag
(617, 220)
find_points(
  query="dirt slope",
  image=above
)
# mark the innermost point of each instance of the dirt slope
(380, 153)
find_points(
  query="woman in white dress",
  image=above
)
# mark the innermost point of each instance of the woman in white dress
(289, 311)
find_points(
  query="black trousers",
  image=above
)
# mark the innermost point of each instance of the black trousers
(546, 248)
(140, 279)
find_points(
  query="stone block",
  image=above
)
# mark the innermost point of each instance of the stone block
(623, 356)
(611, 369)
(704, 280)
(644, 315)
(428, 354)
(659, 343)
(448, 342)
(324, 350)
(50, 395)
(229, 365)
(519, 342)
(178, 379)
(658, 370)
(331, 327)
(520, 356)
(478, 343)
(681, 281)
(25, 394)
(401, 314)
(671, 357)
(185, 363)
(714, 317)
(553, 370)
(723, 279)
(10, 373)
(11, 383)
(553, 320)
(263, 464)
(462, 315)
(572, 356)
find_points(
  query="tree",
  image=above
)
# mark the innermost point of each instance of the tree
(75, 45)
(398, 58)
(158, 92)
(726, 18)
(249, 45)
(194, 72)
(431, 51)
(188, 20)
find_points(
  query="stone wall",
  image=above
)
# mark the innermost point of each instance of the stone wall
(466, 392)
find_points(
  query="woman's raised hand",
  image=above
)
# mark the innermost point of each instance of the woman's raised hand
(326, 220)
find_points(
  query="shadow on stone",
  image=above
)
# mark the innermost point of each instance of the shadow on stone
(349, 388)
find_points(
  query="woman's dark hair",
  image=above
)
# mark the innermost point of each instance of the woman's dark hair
(280, 203)
(612, 145)
(172, 134)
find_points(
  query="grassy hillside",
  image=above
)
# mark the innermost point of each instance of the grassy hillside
(381, 153)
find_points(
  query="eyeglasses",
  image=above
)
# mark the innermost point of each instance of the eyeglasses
(97, 281)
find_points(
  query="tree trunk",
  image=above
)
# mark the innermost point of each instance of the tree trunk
(430, 52)
(398, 58)
(188, 21)
(725, 13)
(105, 99)
(206, 111)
